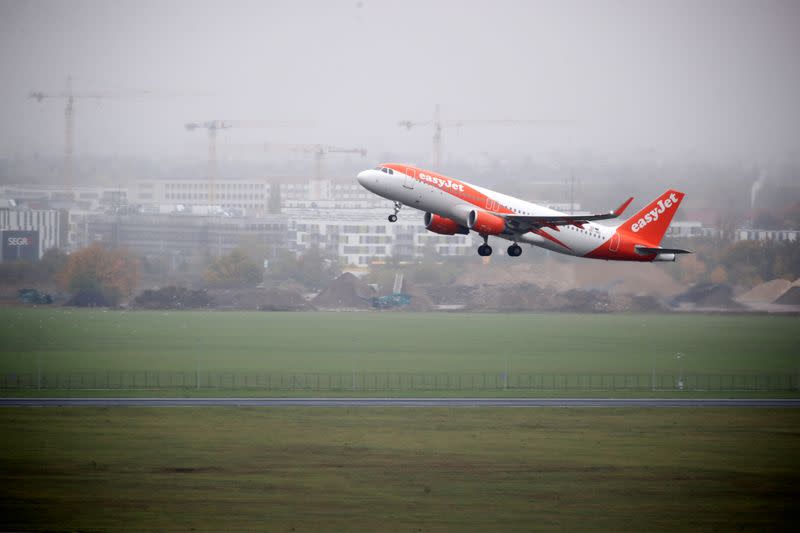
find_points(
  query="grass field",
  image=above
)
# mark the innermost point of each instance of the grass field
(368, 469)
(61, 339)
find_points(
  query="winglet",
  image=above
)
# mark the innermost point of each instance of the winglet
(618, 211)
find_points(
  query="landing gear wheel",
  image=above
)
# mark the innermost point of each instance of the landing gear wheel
(514, 250)
(393, 216)
(484, 250)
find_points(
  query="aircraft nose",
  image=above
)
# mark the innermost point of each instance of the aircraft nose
(369, 179)
(362, 177)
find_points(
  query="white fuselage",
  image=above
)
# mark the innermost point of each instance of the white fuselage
(433, 198)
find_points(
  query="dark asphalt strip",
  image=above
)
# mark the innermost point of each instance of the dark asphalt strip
(396, 402)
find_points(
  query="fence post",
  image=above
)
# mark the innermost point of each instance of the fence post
(653, 378)
(38, 371)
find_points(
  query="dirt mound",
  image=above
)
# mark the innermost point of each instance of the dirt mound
(547, 274)
(292, 285)
(452, 294)
(791, 296)
(605, 276)
(534, 298)
(582, 301)
(647, 303)
(708, 295)
(530, 297)
(518, 297)
(766, 292)
(274, 299)
(420, 301)
(345, 292)
(284, 300)
(173, 298)
(626, 278)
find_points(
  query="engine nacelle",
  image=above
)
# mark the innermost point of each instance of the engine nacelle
(443, 225)
(664, 257)
(485, 223)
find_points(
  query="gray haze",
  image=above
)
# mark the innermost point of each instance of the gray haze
(709, 79)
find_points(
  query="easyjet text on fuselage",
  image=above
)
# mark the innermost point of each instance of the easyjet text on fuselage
(441, 182)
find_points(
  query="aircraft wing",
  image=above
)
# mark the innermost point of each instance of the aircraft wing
(553, 221)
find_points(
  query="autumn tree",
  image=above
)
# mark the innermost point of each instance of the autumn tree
(236, 267)
(314, 269)
(52, 262)
(112, 272)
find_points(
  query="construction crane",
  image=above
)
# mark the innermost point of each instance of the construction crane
(439, 124)
(320, 151)
(69, 96)
(213, 126)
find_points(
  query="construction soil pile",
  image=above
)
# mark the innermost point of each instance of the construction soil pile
(345, 292)
(530, 297)
(610, 276)
(452, 294)
(546, 274)
(285, 300)
(626, 278)
(260, 299)
(173, 297)
(534, 298)
(791, 296)
(708, 296)
(420, 301)
(766, 293)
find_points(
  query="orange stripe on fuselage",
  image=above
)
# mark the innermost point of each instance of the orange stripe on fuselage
(550, 238)
(451, 186)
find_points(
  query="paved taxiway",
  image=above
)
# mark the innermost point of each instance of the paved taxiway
(396, 402)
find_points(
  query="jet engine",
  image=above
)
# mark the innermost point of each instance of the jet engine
(485, 223)
(443, 225)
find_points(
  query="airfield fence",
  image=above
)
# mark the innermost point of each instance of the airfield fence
(154, 380)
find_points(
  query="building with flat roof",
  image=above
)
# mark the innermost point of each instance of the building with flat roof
(28, 233)
(750, 234)
(188, 235)
(359, 236)
(252, 195)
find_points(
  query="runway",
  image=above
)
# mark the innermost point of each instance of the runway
(399, 402)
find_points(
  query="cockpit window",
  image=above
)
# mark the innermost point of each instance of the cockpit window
(391, 171)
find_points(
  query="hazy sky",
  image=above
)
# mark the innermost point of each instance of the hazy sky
(711, 78)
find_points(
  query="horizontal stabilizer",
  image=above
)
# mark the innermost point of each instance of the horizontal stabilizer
(646, 250)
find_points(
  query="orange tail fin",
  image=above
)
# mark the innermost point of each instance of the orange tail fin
(651, 223)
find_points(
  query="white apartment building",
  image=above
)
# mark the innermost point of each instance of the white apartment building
(690, 229)
(359, 236)
(252, 195)
(28, 233)
(790, 235)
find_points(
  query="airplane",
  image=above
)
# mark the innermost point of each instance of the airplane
(454, 206)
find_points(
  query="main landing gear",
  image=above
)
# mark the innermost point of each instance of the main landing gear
(484, 250)
(393, 216)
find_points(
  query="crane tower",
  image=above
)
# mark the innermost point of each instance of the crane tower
(439, 124)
